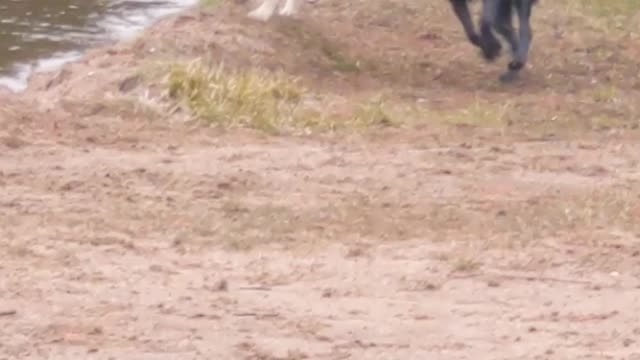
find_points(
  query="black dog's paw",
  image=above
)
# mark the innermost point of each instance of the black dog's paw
(509, 76)
(475, 40)
(491, 49)
(516, 65)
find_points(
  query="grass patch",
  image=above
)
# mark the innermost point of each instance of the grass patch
(222, 96)
(465, 264)
(609, 14)
(611, 8)
(340, 62)
(605, 94)
(273, 102)
(374, 112)
(480, 113)
(582, 215)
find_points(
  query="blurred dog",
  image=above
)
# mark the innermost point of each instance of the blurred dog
(497, 15)
(268, 7)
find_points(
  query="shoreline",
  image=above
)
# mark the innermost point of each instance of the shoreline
(117, 29)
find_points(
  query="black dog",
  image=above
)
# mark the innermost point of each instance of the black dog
(497, 14)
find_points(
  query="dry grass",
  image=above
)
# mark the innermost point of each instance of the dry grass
(587, 216)
(465, 264)
(274, 102)
(613, 9)
(481, 113)
(232, 98)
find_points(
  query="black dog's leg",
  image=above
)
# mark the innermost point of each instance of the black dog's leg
(461, 9)
(504, 24)
(523, 8)
(490, 45)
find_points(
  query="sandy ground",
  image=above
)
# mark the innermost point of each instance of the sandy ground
(125, 237)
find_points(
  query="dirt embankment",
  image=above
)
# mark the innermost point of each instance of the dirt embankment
(425, 212)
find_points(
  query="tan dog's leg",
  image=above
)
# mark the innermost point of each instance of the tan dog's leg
(290, 8)
(265, 11)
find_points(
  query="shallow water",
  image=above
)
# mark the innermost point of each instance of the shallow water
(42, 34)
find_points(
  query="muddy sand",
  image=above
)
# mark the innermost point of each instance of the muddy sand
(132, 234)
